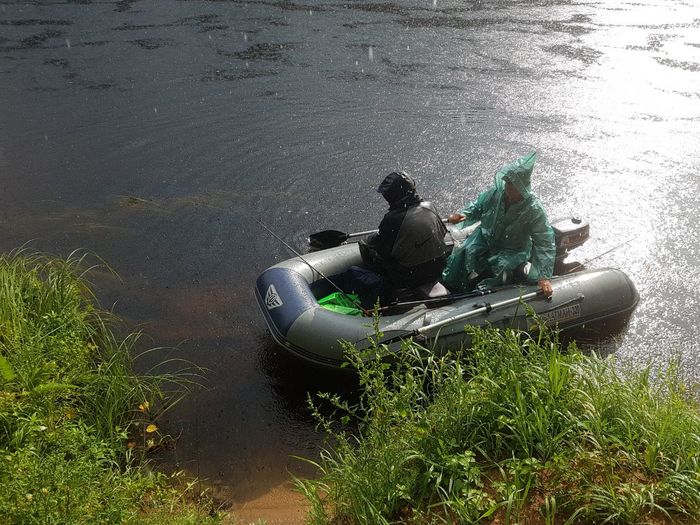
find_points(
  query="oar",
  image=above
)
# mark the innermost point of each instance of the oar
(487, 308)
(331, 238)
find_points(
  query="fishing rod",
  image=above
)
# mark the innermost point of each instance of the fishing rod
(444, 299)
(353, 301)
(485, 309)
(581, 265)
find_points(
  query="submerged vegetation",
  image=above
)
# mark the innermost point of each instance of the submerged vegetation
(517, 430)
(76, 421)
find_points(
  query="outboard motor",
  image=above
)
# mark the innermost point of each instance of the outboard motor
(569, 234)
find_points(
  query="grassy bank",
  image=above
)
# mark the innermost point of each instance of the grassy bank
(76, 422)
(515, 431)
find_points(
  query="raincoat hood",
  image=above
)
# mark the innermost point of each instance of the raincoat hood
(518, 173)
(399, 189)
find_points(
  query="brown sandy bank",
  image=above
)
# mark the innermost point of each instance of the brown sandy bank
(281, 505)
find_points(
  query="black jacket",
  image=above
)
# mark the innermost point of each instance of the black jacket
(409, 249)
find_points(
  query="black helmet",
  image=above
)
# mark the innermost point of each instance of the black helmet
(397, 187)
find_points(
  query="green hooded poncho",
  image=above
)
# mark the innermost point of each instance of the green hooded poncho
(505, 238)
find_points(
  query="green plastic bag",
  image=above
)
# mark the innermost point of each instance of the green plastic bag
(341, 303)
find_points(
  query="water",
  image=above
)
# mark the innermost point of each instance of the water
(156, 134)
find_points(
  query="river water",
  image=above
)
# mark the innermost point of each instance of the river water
(156, 134)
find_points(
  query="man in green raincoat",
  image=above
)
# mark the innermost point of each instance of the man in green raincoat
(513, 243)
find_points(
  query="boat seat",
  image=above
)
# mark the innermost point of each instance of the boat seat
(432, 290)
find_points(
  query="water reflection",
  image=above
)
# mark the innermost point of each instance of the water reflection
(156, 138)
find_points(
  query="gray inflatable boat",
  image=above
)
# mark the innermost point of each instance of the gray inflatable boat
(288, 295)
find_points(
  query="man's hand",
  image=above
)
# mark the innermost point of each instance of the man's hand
(454, 218)
(546, 287)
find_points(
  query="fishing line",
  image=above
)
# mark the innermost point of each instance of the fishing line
(581, 265)
(353, 301)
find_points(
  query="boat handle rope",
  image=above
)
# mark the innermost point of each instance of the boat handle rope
(579, 297)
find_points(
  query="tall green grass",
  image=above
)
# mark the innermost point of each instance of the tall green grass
(75, 419)
(516, 430)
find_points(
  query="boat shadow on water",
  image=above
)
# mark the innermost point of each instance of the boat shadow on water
(602, 337)
(293, 379)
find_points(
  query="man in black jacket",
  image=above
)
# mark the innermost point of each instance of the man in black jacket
(409, 250)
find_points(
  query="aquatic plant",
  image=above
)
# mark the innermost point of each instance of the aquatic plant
(516, 430)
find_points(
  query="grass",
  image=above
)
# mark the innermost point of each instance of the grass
(516, 430)
(76, 421)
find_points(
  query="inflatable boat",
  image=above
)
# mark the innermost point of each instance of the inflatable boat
(290, 296)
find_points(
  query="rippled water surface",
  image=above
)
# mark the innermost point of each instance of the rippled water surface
(156, 133)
